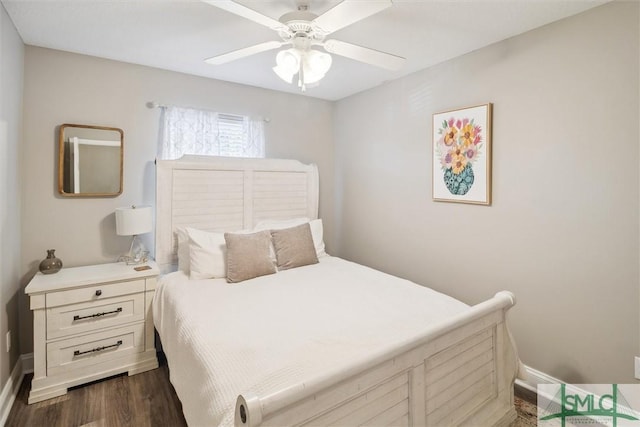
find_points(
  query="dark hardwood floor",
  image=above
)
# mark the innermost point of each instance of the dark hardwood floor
(145, 399)
(526, 395)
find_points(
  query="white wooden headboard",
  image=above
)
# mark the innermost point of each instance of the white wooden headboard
(228, 194)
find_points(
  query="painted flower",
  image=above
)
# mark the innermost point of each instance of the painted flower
(478, 138)
(471, 152)
(458, 164)
(450, 135)
(446, 160)
(468, 135)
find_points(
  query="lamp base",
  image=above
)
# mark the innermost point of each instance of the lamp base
(137, 253)
(129, 260)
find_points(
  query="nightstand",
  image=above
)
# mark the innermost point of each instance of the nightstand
(90, 323)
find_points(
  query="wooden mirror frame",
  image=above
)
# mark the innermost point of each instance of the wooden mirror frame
(61, 155)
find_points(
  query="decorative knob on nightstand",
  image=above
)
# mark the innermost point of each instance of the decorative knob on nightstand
(98, 292)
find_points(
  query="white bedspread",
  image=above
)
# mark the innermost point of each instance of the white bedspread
(222, 339)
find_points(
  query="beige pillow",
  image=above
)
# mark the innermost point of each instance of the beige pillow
(316, 230)
(294, 247)
(248, 256)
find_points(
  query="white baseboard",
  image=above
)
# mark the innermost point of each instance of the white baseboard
(535, 377)
(27, 363)
(10, 389)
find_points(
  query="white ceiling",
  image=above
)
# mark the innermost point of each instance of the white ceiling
(179, 34)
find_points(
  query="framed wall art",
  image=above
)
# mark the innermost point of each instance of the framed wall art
(462, 155)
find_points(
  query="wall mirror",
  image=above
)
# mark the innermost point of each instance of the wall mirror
(90, 161)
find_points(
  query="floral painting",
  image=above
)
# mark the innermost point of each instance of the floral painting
(462, 155)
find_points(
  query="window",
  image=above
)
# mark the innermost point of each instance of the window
(190, 131)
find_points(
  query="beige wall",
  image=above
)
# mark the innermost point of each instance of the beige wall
(69, 88)
(562, 232)
(11, 71)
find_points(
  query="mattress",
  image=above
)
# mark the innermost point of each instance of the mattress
(264, 334)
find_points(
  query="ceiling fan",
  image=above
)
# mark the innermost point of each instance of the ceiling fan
(303, 30)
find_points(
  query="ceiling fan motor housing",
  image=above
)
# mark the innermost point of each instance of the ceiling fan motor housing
(299, 15)
(300, 26)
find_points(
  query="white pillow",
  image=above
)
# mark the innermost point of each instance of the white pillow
(316, 230)
(207, 254)
(183, 249)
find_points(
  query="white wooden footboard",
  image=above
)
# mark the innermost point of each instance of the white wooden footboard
(459, 373)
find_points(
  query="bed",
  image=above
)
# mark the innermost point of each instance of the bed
(330, 343)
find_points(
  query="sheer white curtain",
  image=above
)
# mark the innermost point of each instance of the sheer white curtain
(192, 131)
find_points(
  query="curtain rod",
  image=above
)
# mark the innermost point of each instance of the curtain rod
(154, 104)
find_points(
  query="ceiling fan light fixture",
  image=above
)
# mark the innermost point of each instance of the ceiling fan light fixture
(315, 65)
(283, 73)
(317, 62)
(310, 65)
(289, 59)
(287, 64)
(311, 76)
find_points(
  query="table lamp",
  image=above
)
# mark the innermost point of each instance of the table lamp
(133, 221)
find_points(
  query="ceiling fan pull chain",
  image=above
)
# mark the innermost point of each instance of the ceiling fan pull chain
(301, 84)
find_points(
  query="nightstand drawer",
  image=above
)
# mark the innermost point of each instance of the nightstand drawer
(66, 355)
(78, 318)
(94, 293)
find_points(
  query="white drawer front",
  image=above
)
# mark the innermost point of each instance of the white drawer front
(72, 319)
(94, 293)
(66, 355)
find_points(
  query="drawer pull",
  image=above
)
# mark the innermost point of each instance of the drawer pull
(117, 310)
(98, 292)
(78, 352)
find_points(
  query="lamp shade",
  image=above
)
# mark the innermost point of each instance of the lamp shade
(133, 220)
(317, 64)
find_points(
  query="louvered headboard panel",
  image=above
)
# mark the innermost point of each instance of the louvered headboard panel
(228, 194)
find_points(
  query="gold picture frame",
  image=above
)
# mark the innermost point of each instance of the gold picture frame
(90, 161)
(462, 155)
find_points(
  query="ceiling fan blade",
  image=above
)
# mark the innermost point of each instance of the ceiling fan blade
(348, 12)
(244, 52)
(245, 12)
(364, 54)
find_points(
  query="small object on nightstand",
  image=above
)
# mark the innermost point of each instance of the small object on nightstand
(142, 268)
(50, 264)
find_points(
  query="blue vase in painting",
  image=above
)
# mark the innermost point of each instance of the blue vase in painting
(459, 184)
